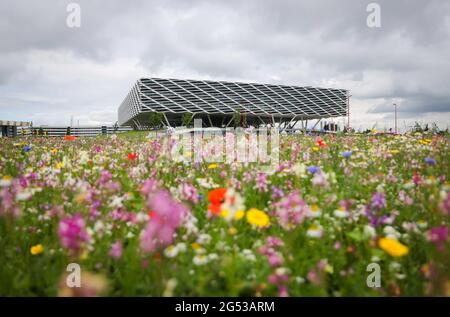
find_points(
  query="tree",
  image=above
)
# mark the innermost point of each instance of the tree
(155, 119)
(186, 119)
(237, 117)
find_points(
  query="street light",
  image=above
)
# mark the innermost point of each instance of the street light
(395, 115)
(348, 113)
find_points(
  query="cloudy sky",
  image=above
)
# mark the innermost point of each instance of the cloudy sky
(50, 72)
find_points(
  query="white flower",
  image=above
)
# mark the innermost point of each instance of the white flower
(394, 266)
(369, 231)
(170, 287)
(204, 238)
(116, 202)
(314, 212)
(200, 259)
(84, 157)
(25, 195)
(248, 255)
(375, 259)
(212, 256)
(5, 181)
(282, 271)
(390, 232)
(142, 217)
(340, 213)
(300, 170)
(181, 246)
(315, 231)
(99, 227)
(171, 251)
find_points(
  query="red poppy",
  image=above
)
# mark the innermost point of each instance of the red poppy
(69, 137)
(132, 156)
(216, 198)
(217, 195)
(320, 142)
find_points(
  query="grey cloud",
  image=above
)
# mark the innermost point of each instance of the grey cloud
(324, 43)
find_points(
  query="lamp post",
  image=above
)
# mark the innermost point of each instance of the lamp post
(348, 113)
(395, 116)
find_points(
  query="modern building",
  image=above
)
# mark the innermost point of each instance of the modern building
(218, 103)
(9, 128)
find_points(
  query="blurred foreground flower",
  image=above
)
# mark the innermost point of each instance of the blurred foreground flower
(167, 217)
(72, 233)
(90, 285)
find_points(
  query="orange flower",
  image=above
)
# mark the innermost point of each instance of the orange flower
(132, 156)
(69, 137)
(216, 198)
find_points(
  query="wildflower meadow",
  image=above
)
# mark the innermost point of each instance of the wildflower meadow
(341, 215)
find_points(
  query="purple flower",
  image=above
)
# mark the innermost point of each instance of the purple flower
(438, 236)
(105, 177)
(277, 193)
(72, 232)
(189, 192)
(291, 210)
(378, 201)
(430, 161)
(376, 204)
(313, 169)
(261, 182)
(116, 250)
(27, 148)
(347, 154)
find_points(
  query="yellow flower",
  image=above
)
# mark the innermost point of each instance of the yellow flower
(258, 218)
(54, 150)
(37, 249)
(212, 166)
(232, 231)
(315, 148)
(394, 151)
(195, 246)
(59, 165)
(237, 216)
(393, 247)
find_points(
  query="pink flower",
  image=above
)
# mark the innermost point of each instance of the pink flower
(438, 236)
(116, 250)
(291, 211)
(7, 204)
(275, 260)
(72, 233)
(161, 228)
(188, 192)
(105, 177)
(261, 182)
